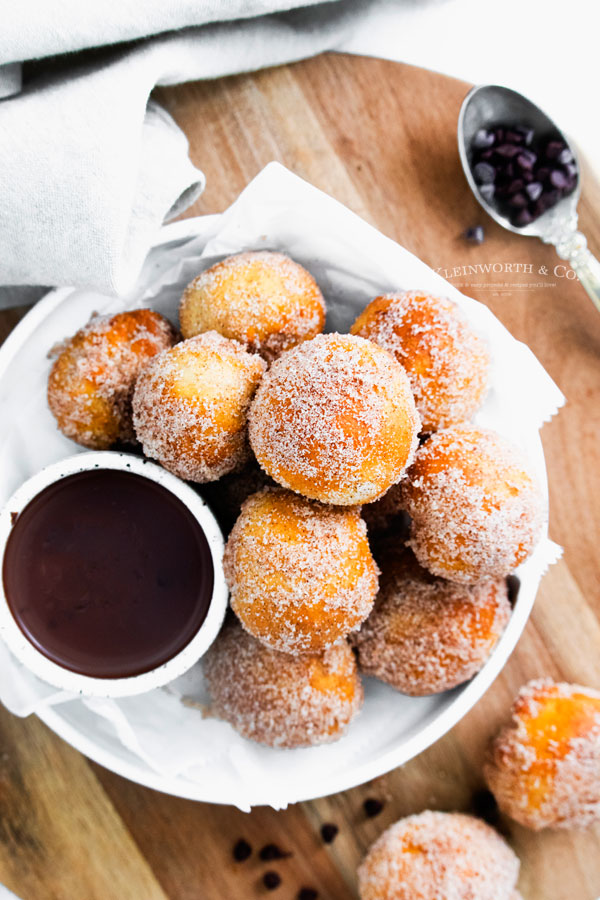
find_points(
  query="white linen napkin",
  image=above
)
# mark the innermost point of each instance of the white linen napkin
(89, 170)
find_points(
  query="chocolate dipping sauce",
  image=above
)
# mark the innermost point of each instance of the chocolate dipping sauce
(107, 573)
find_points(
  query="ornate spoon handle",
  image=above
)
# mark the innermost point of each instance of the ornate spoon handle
(572, 246)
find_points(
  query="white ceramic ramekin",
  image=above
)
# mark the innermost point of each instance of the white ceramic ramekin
(63, 678)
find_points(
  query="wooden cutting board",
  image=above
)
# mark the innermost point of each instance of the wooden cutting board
(380, 137)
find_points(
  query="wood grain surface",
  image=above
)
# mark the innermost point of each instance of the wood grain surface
(380, 137)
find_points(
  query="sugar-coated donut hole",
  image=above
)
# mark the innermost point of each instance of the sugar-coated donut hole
(301, 574)
(447, 363)
(544, 766)
(279, 699)
(334, 419)
(434, 854)
(426, 634)
(263, 299)
(92, 379)
(190, 406)
(477, 510)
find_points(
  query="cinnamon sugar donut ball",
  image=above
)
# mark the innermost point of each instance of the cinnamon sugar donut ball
(447, 363)
(427, 635)
(544, 767)
(278, 699)
(263, 299)
(301, 575)
(92, 379)
(439, 856)
(190, 406)
(334, 419)
(476, 507)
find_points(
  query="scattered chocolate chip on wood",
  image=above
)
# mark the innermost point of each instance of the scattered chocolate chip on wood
(484, 806)
(307, 893)
(271, 880)
(372, 807)
(242, 850)
(329, 832)
(475, 235)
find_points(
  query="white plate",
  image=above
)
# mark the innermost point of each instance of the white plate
(392, 728)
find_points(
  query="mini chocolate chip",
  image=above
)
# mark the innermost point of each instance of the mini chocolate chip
(516, 185)
(542, 173)
(518, 200)
(307, 894)
(527, 134)
(483, 173)
(329, 832)
(526, 159)
(483, 139)
(565, 156)
(272, 851)
(534, 189)
(558, 178)
(513, 584)
(13, 517)
(271, 880)
(372, 807)
(487, 191)
(523, 218)
(475, 235)
(484, 806)
(514, 137)
(554, 149)
(571, 182)
(242, 850)
(508, 150)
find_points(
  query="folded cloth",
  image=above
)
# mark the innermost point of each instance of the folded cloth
(90, 169)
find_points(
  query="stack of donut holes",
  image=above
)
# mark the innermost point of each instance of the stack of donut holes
(298, 439)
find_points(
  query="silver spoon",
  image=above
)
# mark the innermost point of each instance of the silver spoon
(490, 105)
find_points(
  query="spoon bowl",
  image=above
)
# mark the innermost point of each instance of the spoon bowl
(490, 105)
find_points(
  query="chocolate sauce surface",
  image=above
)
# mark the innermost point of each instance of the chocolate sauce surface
(107, 573)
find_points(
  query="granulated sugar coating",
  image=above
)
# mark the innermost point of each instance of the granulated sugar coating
(446, 362)
(278, 699)
(477, 510)
(91, 382)
(439, 856)
(190, 406)
(334, 419)
(265, 300)
(427, 635)
(301, 574)
(544, 767)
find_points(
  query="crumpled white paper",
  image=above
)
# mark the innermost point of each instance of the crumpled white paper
(156, 737)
